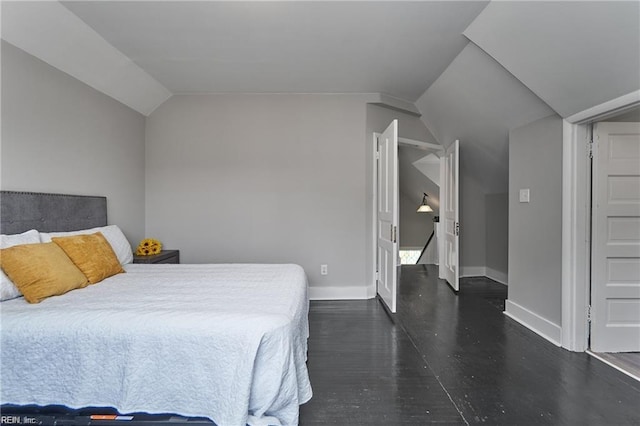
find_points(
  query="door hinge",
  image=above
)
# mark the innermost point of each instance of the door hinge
(457, 229)
(377, 275)
(590, 149)
(589, 317)
(377, 155)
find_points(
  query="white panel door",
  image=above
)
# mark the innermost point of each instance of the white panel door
(387, 226)
(615, 280)
(450, 215)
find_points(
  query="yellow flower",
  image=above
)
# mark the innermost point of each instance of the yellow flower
(149, 246)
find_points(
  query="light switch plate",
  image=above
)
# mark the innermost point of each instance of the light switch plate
(524, 195)
(324, 269)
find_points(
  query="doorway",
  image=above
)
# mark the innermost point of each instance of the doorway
(614, 316)
(576, 223)
(386, 233)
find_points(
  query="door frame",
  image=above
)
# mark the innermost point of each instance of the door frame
(576, 218)
(374, 221)
(426, 146)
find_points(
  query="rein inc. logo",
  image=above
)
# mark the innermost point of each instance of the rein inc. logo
(19, 420)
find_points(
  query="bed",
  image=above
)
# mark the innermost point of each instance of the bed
(226, 342)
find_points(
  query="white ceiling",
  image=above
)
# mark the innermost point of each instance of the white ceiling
(527, 60)
(53, 34)
(572, 54)
(395, 48)
(477, 101)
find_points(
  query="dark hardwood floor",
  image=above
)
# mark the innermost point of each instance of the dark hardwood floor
(365, 371)
(629, 362)
(452, 359)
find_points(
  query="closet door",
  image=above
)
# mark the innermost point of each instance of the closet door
(615, 282)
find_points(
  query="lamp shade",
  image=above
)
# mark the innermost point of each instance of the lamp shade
(424, 207)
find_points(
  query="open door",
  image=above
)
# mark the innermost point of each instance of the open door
(615, 277)
(450, 215)
(387, 226)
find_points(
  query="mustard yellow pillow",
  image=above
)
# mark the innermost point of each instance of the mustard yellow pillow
(41, 270)
(92, 254)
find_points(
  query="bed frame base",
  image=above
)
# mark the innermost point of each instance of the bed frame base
(63, 416)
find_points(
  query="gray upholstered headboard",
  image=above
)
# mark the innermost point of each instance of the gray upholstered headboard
(21, 211)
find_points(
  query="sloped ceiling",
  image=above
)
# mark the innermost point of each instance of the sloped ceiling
(50, 32)
(573, 55)
(477, 101)
(430, 167)
(526, 59)
(141, 52)
(413, 183)
(394, 48)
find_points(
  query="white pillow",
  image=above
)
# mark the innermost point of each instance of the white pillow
(112, 233)
(7, 289)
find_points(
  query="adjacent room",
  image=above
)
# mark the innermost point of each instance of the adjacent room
(410, 212)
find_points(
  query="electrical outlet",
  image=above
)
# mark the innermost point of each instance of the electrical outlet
(524, 195)
(324, 269)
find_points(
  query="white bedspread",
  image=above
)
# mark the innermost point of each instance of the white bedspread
(227, 342)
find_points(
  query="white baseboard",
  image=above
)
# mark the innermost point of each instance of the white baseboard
(498, 276)
(341, 293)
(534, 322)
(473, 271)
(484, 271)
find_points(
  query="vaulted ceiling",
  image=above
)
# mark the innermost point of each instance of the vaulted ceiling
(571, 54)
(474, 69)
(525, 61)
(307, 47)
(477, 102)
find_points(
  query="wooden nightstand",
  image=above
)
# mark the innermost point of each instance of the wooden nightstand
(165, 256)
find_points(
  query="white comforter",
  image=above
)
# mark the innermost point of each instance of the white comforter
(227, 342)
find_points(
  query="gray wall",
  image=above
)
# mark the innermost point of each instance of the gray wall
(415, 228)
(261, 178)
(535, 228)
(472, 226)
(60, 135)
(497, 236)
